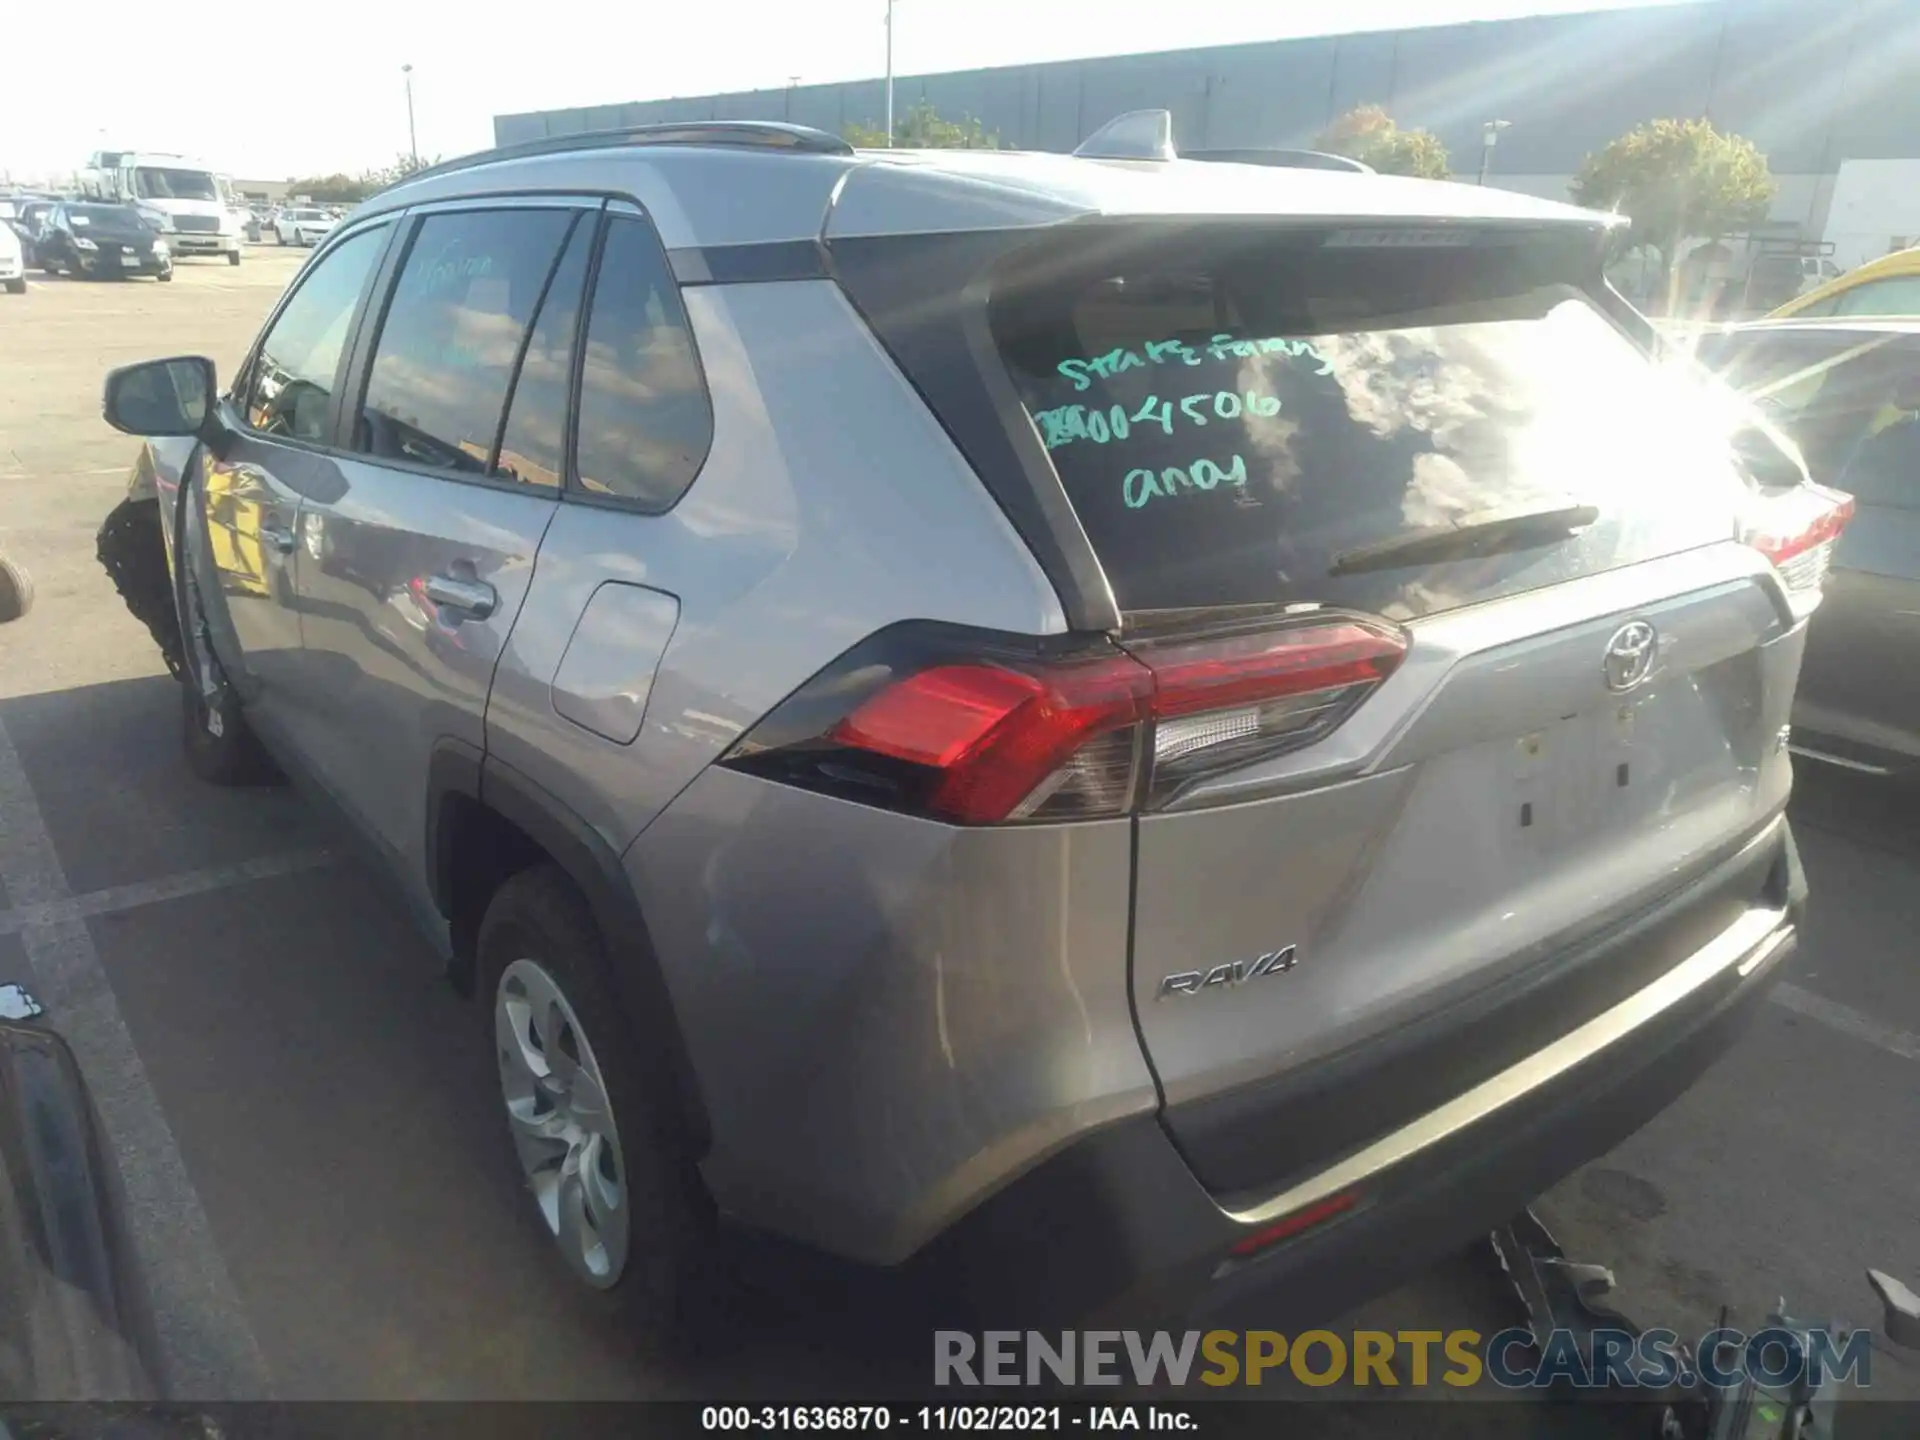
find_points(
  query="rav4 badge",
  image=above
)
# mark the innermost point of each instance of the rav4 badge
(1237, 972)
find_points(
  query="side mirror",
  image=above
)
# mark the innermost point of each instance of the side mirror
(160, 397)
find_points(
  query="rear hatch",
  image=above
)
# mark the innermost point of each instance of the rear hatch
(1453, 438)
(1461, 672)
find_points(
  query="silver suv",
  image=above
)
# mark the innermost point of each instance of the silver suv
(1145, 728)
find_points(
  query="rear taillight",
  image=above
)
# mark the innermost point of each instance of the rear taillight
(997, 743)
(1225, 702)
(1797, 533)
(984, 731)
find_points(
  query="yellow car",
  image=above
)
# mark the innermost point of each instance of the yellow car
(1887, 286)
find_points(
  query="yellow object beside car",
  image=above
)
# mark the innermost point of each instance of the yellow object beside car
(1887, 286)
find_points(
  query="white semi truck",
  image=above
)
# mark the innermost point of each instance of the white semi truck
(191, 202)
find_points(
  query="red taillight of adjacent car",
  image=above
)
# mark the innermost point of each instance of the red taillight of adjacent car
(987, 733)
(1797, 532)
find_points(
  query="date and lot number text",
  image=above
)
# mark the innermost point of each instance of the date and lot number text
(944, 1417)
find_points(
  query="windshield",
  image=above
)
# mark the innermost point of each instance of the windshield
(107, 215)
(158, 183)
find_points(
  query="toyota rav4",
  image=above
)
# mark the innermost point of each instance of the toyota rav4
(1152, 728)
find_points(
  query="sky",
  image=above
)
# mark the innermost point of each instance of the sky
(268, 92)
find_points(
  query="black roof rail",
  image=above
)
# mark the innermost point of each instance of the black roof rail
(749, 134)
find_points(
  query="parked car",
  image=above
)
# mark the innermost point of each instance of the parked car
(13, 264)
(1133, 732)
(1848, 391)
(29, 221)
(1772, 279)
(92, 240)
(1889, 286)
(303, 225)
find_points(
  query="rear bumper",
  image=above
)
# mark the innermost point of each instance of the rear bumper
(1118, 1227)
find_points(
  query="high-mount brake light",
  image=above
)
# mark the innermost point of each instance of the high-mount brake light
(991, 735)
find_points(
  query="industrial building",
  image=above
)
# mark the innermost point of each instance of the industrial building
(1814, 86)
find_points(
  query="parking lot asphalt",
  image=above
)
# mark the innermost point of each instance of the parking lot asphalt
(322, 1193)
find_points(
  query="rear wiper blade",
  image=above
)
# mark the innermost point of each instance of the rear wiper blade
(1481, 532)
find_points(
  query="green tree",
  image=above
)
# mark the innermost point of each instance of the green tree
(1367, 133)
(343, 189)
(335, 189)
(402, 167)
(1677, 180)
(921, 128)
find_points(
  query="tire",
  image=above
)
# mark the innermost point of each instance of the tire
(164, 276)
(234, 756)
(16, 591)
(233, 257)
(539, 932)
(17, 287)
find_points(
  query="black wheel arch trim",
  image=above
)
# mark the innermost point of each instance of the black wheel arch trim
(458, 769)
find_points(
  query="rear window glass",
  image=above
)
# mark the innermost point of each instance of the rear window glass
(1237, 427)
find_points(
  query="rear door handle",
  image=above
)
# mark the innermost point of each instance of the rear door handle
(280, 538)
(476, 597)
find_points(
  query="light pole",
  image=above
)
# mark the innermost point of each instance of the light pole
(1490, 137)
(793, 83)
(889, 74)
(413, 140)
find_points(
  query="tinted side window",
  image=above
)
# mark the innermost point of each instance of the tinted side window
(462, 304)
(292, 376)
(645, 422)
(1851, 404)
(1882, 465)
(1897, 296)
(533, 448)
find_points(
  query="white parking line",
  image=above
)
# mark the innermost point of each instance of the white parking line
(1847, 1021)
(116, 898)
(208, 1347)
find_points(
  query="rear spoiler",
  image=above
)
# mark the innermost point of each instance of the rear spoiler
(1283, 159)
(1148, 135)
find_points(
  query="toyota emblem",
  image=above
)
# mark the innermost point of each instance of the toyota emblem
(1630, 652)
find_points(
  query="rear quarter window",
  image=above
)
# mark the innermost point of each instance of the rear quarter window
(645, 422)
